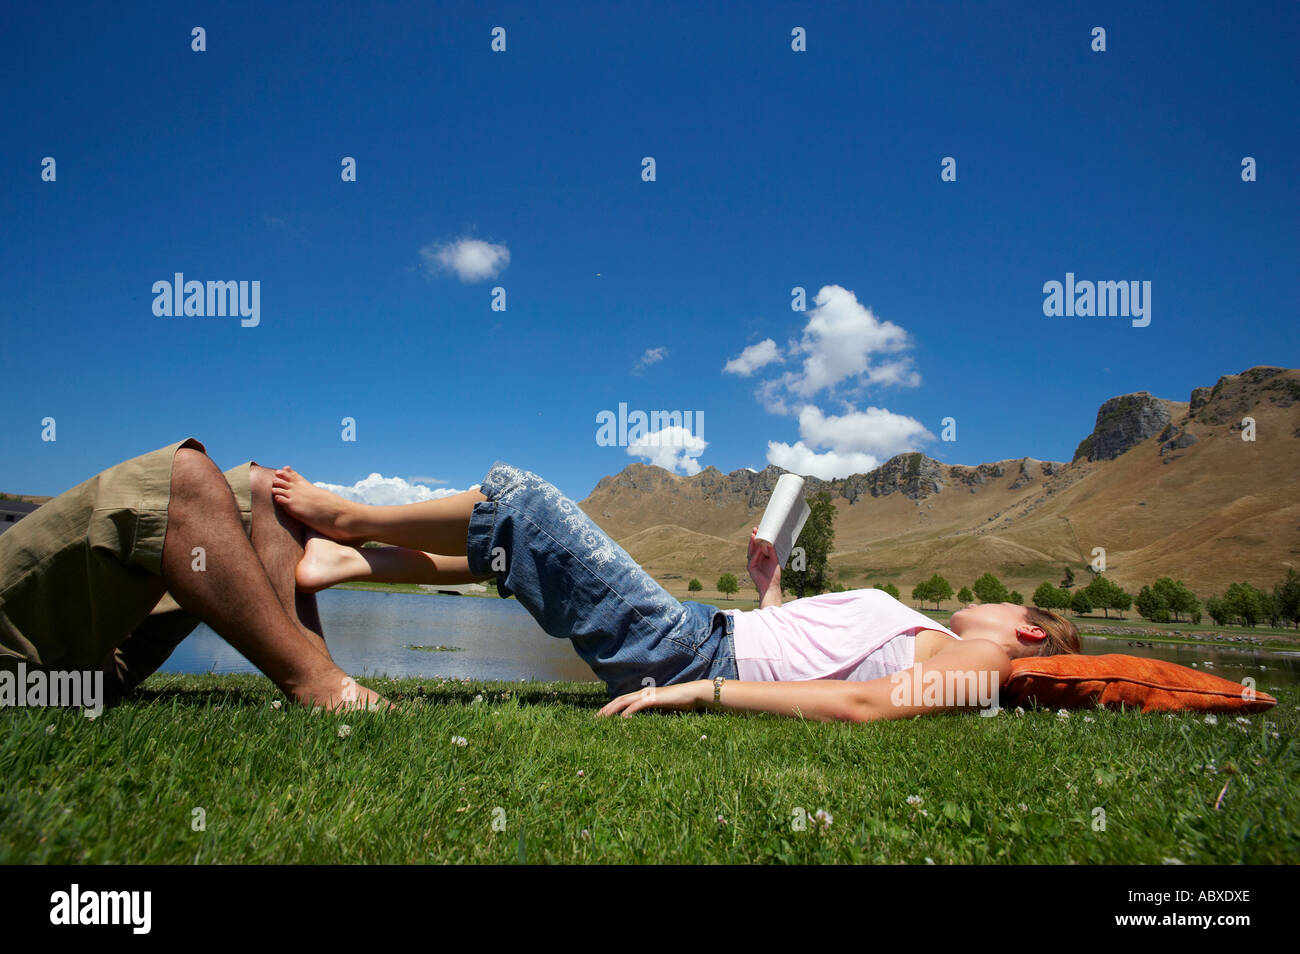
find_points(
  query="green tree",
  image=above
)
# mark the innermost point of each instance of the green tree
(1151, 605)
(1287, 594)
(1080, 604)
(1244, 602)
(1217, 610)
(989, 589)
(1015, 597)
(694, 586)
(812, 549)
(1046, 596)
(1178, 599)
(1107, 595)
(965, 597)
(938, 589)
(891, 589)
(921, 592)
(728, 584)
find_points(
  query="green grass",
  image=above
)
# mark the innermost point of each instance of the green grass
(281, 785)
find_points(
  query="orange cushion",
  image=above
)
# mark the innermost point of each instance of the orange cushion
(1152, 685)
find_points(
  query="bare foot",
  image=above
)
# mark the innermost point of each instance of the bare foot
(319, 509)
(343, 694)
(326, 562)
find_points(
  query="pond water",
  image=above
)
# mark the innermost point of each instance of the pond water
(369, 632)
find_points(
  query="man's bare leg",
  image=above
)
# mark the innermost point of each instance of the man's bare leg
(434, 526)
(233, 594)
(278, 540)
(327, 562)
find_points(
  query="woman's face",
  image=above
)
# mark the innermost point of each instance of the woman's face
(1003, 617)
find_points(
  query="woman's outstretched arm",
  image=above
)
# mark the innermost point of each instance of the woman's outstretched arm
(964, 676)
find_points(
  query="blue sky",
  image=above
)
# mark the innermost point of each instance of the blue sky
(774, 169)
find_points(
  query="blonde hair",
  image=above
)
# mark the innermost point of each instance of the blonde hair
(1062, 635)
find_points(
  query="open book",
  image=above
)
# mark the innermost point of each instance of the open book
(784, 517)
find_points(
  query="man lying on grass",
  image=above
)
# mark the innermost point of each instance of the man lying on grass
(838, 656)
(112, 575)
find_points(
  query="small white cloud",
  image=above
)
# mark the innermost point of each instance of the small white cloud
(651, 356)
(854, 443)
(386, 491)
(839, 341)
(799, 458)
(753, 358)
(473, 260)
(672, 448)
(874, 431)
(425, 480)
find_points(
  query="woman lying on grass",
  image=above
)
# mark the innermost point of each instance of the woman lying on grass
(851, 656)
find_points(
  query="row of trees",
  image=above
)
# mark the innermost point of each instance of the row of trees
(987, 589)
(1166, 600)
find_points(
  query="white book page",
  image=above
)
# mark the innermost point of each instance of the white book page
(785, 516)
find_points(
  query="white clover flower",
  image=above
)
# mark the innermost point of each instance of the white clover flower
(585, 833)
(704, 738)
(52, 728)
(916, 801)
(721, 820)
(1020, 711)
(929, 860)
(1211, 720)
(89, 714)
(1172, 861)
(459, 740)
(1023, 807)
(1089, 719)
(1242, 720)
(581, 773)
(275, 703)
(824, 817)
(1063, 713)
(479, 697)
(345, 731)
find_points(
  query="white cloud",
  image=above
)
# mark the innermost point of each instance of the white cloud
(425, 480)
(473, 260)
(855, 442)
(386, 491)
(802, 459)
(873, 431)
(753, 358)
(839, 342)
(671, 448)
(651, 356)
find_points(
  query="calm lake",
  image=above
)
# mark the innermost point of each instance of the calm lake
(368, 633)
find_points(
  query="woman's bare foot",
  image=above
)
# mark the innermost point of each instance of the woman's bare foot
(319, 509)
(326, 562)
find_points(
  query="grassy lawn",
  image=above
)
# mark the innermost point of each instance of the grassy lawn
(286, 785)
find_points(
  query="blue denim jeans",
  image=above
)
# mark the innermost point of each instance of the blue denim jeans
(581, 585)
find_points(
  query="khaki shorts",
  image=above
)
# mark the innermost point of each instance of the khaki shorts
(83, 572)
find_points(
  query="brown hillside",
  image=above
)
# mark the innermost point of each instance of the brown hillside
(1167, 488)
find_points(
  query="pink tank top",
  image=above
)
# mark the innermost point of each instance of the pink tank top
(858, 635)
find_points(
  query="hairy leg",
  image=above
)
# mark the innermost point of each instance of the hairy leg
(434, 526)
(278, 540)
(234, 595)
(327, 562)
